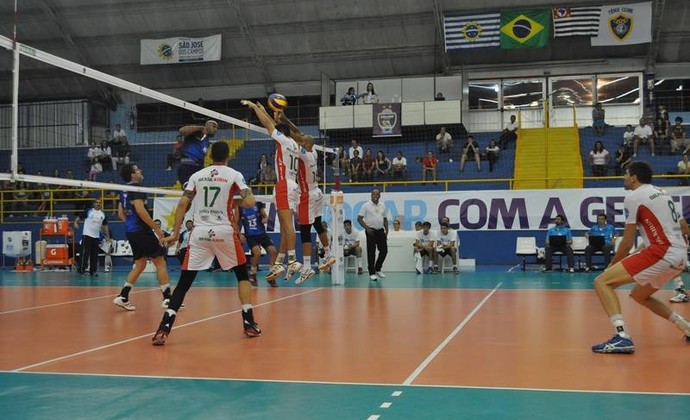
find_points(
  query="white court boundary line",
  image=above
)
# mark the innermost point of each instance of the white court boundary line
(117, 343)
(32, 308)
(373, 384)
(450, 336)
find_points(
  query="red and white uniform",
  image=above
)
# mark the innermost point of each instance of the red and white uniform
(665, 253)
(214, 235)
(310, 196)
(286, 191)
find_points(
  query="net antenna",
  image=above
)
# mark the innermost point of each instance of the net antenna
(36, 54)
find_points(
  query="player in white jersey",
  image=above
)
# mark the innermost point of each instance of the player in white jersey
(286, 190)
(652, 212)
(445, 245)
(209, 193)
(311, 202)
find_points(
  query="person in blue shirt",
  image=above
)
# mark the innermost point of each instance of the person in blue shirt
(253, 222)
(350, 98)
(609, 233)
(559, 230)
(143, 235)
(197, 140)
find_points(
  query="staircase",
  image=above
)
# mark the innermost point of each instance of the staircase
(548, 158)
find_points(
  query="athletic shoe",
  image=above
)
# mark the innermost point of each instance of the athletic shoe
(275, 272)
(360, 270)
(304, 275)
(124, 303)
(253, 280)
(381, 274)
(251, 328)
(292, 269)
(615, 344)
(163, 330)
(272, 283)
(587, 269)
(680, 297)
(373, 277)
(107, 269)
(328, 262)
(417, 270)
(455, 270)
(545, 270)
(430, 270)
(571, 270)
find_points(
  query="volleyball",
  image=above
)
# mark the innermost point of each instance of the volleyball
(277, 101)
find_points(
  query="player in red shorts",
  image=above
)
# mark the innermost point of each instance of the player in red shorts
(664, 256)
(286, 190)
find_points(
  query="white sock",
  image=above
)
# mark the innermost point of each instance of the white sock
(307, 261)
(680, 322)
(326, 250)
(291, 256)
(252, 269)
(246, 307)
(165, 287)
(359, 262)
(619, 325)
(128, 285)
(280, 258)
(678, 283)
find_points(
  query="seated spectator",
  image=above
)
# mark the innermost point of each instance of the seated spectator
(119, 133)
(351, 245)
(684, 169)
(662, 132)
(344, 162)
(678, 140)
(368, 166)
(355, 167)
(509, 134)
(429, 166)
(492, 151)
(444, 141)
(559, 230)
(355, 146)
(383, 164)
(41, 193)
(445, 245)
(350, 97)
(470, 150)
(95, 166)
(20, 195)
(396, 225)
(399, 166)
(643, 134)
(609, 233)
(122, 153)
(661, 112)
(439, 97)
(424, 246)
(106, 156)
(599, 159)
(370, 96)
(598, 116)
(268, 175)
(628, 137)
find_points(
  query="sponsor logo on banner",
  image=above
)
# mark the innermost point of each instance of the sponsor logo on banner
(180, 50)
(621, 25)
(386, 120)
(492, 210)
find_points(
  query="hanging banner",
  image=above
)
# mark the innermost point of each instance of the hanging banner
(16, 244)
(387, 120)
(624, 24)
(493, 210)
(180, 50)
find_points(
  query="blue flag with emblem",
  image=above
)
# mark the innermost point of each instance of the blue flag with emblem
(476, 31)
(525, 29)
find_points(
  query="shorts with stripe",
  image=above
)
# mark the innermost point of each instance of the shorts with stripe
(208, 242)
(310, 206)
(286, 195)
(655, 265)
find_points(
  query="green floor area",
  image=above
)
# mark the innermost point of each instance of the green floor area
(49, 396)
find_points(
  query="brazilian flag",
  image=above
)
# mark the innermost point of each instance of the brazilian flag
(526, 29)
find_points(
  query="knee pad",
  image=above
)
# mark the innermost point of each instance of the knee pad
(319, 226)
(305, 233)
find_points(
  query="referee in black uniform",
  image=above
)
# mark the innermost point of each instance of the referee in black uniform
(372, 217)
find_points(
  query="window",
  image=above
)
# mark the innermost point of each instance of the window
(522, 93)
(569, 92)
(483, 95)
(618, 89)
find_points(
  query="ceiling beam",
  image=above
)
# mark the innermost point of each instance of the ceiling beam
(657, 19)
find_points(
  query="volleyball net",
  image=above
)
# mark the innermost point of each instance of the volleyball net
(78, 145)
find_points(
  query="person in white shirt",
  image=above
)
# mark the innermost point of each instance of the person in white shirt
(445, 245)
(119, 133)
(372, 217)
(628, 136)
(351, 244)
(424, 246)
(684, 169)
(444, 141)
(94, 223)
(355, 146)
(643, 134)
(183, 242)
(399, 166)
(599, 159)
(509, 134)
(370, 96)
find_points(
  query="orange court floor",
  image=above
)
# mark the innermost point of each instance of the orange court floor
(489, 343)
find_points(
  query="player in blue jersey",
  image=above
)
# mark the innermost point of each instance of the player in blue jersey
(253, 221)
(142, 233)
(197, 139)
